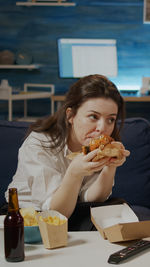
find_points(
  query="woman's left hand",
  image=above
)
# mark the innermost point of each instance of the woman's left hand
(118, 162)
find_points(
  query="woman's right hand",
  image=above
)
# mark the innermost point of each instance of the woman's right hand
(82, 165)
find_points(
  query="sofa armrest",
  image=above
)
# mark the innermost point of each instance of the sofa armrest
(12, 135)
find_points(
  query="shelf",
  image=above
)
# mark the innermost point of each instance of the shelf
(29, 67)
(6, 93)
(28, 95)
(27, 119)
(61, 98)
(42, 3)
(137, 98)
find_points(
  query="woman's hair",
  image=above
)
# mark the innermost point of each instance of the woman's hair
(91, 86)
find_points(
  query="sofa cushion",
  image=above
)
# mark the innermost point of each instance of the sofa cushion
(132, 180)
(11, 137)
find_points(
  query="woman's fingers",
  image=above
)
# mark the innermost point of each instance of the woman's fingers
(118, 144)
(87, 166)
(91, 155)
(126, 153)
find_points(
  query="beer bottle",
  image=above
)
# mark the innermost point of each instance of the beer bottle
(13, 230)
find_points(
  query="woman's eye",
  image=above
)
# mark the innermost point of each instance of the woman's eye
(111, 120)
(93, 117)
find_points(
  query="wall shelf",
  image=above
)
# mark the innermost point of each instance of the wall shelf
(29, 67)
(45, 3)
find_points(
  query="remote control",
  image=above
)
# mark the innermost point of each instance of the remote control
(129, 251)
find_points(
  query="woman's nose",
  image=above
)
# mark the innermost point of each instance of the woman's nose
(101, 126)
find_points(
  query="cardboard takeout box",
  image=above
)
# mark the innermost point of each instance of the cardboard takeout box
(53, 236)
(119, 223)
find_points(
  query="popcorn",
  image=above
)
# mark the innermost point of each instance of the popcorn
(53, 220)
(29, 215)
(53, 228)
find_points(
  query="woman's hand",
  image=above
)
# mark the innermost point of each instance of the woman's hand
(82, 165)
(118, 162)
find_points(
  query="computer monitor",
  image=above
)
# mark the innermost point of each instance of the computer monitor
(81, 57)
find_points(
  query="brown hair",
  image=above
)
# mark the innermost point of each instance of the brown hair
(91, 86)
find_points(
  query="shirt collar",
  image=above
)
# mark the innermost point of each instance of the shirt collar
(66, 150)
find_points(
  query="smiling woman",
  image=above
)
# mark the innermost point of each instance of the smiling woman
(45, 177)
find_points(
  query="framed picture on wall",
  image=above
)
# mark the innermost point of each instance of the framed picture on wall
(146, 11)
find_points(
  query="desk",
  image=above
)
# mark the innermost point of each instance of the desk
(136, 98)
(56, 98)
(7, 94)
(85, 249)
(61, 98)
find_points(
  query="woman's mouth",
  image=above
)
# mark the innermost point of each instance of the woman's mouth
(90, 137)
(93, 135)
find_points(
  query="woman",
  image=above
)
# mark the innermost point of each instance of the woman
(45, 177)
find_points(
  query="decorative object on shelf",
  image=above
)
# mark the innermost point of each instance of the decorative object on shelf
(145, 89)
(4, 84)
(46, 3)
(7, 57)
(23, 57)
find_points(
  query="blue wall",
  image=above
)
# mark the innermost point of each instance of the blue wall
(37, 29)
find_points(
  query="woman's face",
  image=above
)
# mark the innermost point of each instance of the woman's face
(94, 117)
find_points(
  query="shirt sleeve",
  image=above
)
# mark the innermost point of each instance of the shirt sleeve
(38, 174)
(88, 181)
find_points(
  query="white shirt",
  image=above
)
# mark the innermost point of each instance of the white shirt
(40, 172)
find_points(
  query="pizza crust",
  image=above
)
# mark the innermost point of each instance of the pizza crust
(110, 150)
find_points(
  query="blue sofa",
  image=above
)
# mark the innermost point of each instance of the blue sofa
(132, 182)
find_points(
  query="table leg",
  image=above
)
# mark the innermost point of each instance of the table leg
(10, 110)
(25, 108)
(52, 106)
